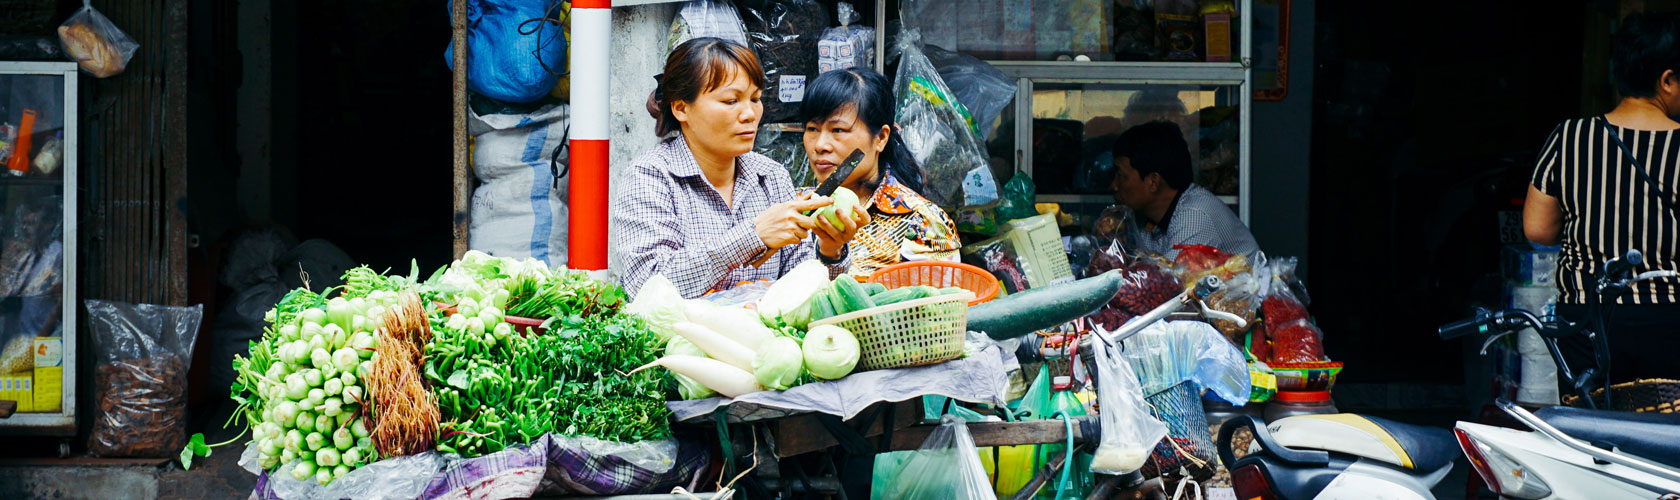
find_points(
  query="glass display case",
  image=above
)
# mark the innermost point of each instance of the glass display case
(38, 122)
(1086, 71)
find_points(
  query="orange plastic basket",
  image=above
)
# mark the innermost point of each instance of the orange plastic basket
(939, 275)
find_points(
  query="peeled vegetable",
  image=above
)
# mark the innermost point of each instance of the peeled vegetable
(779, 363)
(688, 387)
(844, 201)
(717, 375)
(831, 352)
(736, 323)
(789, 299)
(716, 345)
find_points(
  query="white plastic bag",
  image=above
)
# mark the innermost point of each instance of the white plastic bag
(706, 18)
(519, 208)
(846, 46)
(95, 43)
(947, 466)
(1129, 433)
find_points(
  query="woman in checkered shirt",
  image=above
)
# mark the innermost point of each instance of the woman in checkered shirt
(851, 109)
(701, 208)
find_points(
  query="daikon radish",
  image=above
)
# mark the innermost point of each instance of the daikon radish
(716, 375)
(716, 345)
(734, 322)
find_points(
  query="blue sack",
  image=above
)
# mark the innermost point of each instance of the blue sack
(517, 50)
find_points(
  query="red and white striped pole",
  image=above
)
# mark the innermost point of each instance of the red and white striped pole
(591, 76)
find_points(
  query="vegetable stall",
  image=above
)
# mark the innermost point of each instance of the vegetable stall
(546, 381)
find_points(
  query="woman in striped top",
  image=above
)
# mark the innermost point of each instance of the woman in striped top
(1607, 184)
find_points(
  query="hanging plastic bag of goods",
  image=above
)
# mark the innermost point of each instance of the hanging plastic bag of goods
(516, 48)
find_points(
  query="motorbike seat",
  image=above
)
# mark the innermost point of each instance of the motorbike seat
(1415, 447)
(1652, 436)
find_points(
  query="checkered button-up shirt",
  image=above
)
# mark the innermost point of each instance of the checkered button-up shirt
(667, 219)
(1197, 217)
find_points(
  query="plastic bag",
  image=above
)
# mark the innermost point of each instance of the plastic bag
(1117, 223)
(846, 46)
(937, 129)
(1148, 285)
(1286, 325)
(95, 43)
(788, 149)
(143, 353)
(981, 88)
(741, 295)
(977, 220)
(1018, 196)
(1195, 262)
(998, 256)
(979, 187)
(784, 33)
(1297, 341)
(1239, 296)
(516, 49)
(706, 18)
(1167, 353)
(1128, 430)
(947, 466)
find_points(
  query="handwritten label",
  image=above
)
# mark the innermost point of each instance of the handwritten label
(791, 88)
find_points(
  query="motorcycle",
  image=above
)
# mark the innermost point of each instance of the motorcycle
(1569, 453)
(1574, 452)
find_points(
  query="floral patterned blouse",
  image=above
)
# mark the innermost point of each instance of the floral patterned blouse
(903, 226)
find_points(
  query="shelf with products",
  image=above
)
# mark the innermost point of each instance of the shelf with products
(38, 347)
(1195, 72)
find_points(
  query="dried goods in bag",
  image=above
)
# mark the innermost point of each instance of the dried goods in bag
(95, 43)
(1292, 336)
(1239, 296)
(784, 33)
(143, 353)
(939, 132)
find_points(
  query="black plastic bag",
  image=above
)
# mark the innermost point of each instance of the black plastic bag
(784, 33)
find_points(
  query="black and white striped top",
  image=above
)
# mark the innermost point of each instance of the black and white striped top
(1607, 208)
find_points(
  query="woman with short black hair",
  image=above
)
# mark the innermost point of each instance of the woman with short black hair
(852, 109)
(1605, 185)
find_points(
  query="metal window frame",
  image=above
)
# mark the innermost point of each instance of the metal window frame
(62, 423)
(1026, 73)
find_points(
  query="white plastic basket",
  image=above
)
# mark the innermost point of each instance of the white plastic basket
(910, 333)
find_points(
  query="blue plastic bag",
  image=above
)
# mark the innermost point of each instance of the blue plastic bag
(516, 49)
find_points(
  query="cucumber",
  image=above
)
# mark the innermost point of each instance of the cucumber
(874, 288)
(897, 295)
(835, 302)
(821, 307)
(926, 291)
(1041, 308)
(851, 294)
(952, 290)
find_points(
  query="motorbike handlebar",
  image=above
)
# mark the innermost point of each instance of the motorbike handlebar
(1467, 326)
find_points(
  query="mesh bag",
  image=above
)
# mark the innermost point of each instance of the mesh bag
(1188, 445)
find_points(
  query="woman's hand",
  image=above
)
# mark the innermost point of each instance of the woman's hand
(786, 224)
(832, 240)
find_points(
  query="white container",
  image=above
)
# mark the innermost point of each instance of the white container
(1530, 343)
(1547, 396)
(1539, 372)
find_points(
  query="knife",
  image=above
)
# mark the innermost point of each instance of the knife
(825, 189)
(840, 173)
